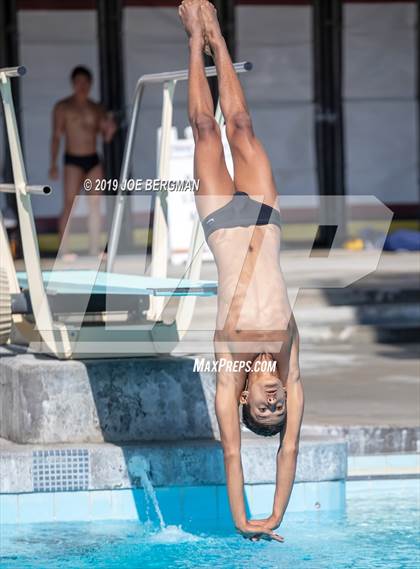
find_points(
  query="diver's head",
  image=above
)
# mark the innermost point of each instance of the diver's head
(264, 398)
(81, 80)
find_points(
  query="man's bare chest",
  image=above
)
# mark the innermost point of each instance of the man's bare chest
(81, 119)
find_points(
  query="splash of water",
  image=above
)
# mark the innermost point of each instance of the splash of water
(140, 466)
(173, 534)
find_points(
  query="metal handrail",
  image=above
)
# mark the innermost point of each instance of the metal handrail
(144, 80)
(38, 190)
(13, 71)
(182, 74)
(51, 333)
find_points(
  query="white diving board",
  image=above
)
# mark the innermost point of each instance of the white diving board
(101, 282)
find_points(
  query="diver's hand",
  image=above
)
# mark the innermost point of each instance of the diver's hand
(271, 522)
(256, 532)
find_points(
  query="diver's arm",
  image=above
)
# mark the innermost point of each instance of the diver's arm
(227, 413)
(288, 452)
(286, 457)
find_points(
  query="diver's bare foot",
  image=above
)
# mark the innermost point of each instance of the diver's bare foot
(211, 27)
(189, 12)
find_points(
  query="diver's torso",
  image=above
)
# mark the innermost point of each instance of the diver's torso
(252, 295)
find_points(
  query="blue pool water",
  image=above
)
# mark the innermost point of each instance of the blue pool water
(378, 530)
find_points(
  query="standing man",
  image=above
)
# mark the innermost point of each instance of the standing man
(80, 120)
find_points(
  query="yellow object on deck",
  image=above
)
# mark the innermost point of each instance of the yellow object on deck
(355, 244)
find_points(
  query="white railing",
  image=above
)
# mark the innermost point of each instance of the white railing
(160, 252)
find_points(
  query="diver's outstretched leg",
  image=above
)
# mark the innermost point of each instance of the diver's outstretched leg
(209, 162)
(253, 173)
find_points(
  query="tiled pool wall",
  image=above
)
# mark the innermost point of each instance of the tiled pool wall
(61, 490)
(106, 481)
(407, 464)
(179, 504)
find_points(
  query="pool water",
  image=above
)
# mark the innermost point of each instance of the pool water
(379, 529)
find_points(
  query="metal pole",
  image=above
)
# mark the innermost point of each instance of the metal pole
(42, 313)
(37, 190)
(9, 55)
(159, 261)
(329, 139)
(119, 202)
(418, 102)
(112, 86)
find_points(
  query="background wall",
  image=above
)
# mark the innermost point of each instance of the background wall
(279, 89)
(380, 104)
(379, 89)
(277, 39)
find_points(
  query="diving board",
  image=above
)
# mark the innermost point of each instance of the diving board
(93, 282)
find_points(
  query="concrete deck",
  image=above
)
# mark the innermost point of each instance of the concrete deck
(368, 395)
